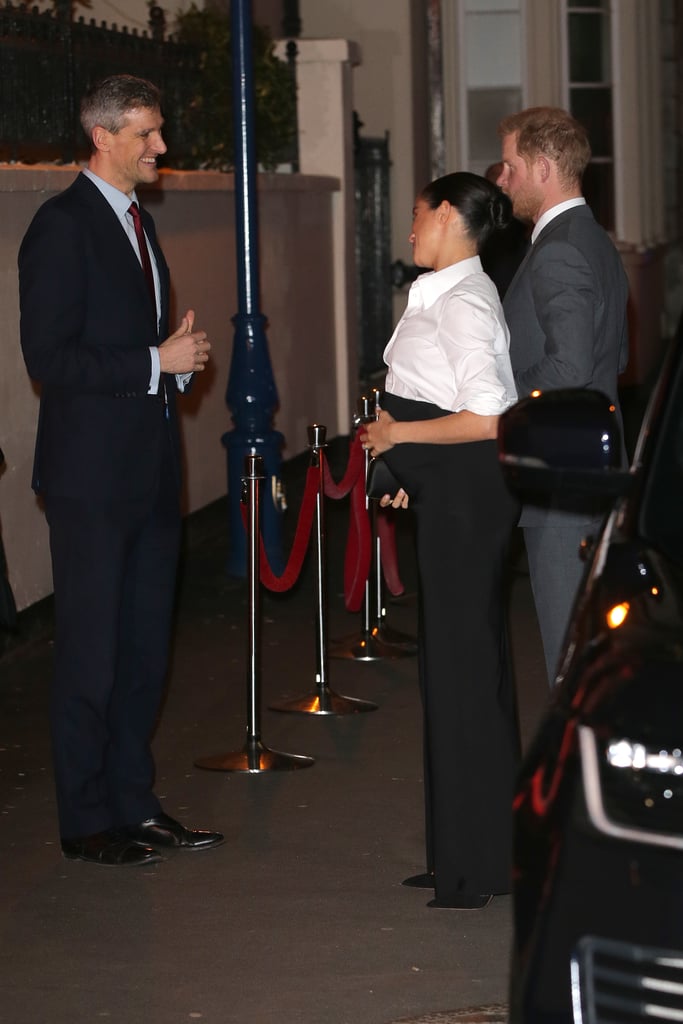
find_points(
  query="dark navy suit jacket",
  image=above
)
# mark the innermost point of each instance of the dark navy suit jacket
(86, 338)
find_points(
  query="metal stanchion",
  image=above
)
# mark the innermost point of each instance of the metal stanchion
(381, 630)
(376, 640)
(254, 757)
(323, 701)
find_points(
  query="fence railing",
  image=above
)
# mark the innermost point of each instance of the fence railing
(48, 59)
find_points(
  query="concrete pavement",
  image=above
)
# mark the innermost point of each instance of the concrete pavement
(300, 917)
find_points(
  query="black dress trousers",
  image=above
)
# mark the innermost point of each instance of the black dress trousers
(464, 518)
(114, 566)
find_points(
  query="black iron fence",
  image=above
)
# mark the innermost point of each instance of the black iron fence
(48, 59)
(373, 250)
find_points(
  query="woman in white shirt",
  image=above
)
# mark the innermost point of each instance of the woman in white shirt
(449, 378)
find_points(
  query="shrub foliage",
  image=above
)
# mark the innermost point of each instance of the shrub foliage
(207, 118)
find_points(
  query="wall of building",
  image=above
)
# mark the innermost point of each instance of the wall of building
(672, 112)
(194, 213)
(389, 88)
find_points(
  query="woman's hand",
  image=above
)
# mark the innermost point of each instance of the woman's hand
(399, 500)
(375, 435)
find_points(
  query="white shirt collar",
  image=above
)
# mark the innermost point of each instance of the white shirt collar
(434, 283)
(119, 201)
(554, 212)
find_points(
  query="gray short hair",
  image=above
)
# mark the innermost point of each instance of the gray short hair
(107, 102)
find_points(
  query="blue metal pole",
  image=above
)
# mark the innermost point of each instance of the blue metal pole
(251, 395)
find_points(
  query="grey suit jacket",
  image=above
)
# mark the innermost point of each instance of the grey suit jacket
(566, 310)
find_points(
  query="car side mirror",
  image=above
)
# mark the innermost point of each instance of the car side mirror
(566, 443)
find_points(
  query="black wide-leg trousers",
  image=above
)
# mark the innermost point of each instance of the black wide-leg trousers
(464, 518)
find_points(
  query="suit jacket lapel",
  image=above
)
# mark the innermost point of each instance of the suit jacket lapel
(114, 241)
(574, 211)
(162, 269)
(556, 222)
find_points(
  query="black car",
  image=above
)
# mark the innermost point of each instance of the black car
(598, 875)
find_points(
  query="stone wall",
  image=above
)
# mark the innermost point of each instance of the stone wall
(194, 214)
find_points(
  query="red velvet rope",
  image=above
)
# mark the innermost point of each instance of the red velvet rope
(358, 552)
(301, 538)
(354, 469)
(386, 531)
(358, 539)
(358, 548)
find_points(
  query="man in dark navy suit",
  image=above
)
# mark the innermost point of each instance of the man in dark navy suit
(94, 294)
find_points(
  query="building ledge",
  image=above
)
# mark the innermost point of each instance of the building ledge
(55, 177)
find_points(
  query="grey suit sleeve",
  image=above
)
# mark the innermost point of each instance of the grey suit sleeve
(566, 304)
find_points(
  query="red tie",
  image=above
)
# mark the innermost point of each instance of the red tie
(147, 267)
(144, 251)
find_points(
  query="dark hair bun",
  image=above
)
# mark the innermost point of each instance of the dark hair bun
(480, 203)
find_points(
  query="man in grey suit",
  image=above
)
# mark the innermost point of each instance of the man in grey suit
(566, 310)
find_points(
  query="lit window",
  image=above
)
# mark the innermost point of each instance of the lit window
(590, 98)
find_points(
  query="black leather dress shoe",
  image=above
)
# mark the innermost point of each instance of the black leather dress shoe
(462, 901)
(163, 830)
(110, 849)
(424, 881)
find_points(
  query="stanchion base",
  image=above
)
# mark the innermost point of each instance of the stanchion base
(255, 758)
(369, 647)
(325, 702)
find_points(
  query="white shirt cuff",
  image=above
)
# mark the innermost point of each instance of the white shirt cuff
(155, 374)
